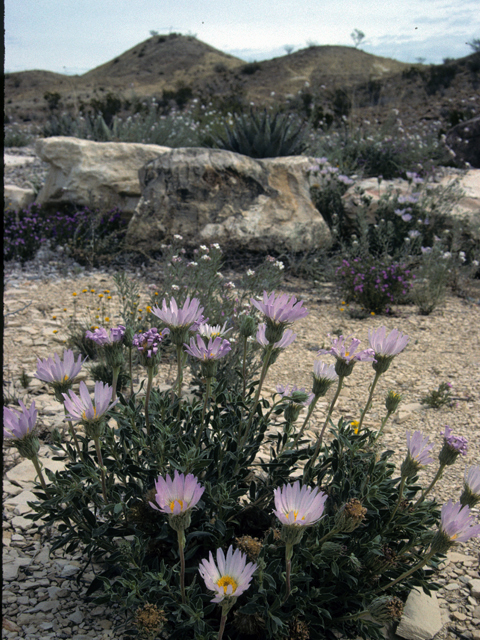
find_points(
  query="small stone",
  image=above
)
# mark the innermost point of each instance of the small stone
(76, 617)
(69, 570)
(475, 588)
(459, 616)
(452, 586)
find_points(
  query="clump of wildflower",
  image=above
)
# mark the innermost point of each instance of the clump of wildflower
(471, 487)
(59, 374)
(453, 446)
(386, 347)
(345, 354)
(457, 524)
(179, 320)
(111, 343)
(148, 345)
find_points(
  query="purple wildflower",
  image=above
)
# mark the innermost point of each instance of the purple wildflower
(58, 371)
(281, 310)
(101, 337)
(452, 447)
(215, 349)
(18, 424)
(292, 392)
(299, 506)
(471, 487)
(148, 343)
(457, 523)
(230, 576)
(81, 408)
(419, 449)
(285, 341)
(174, 317)
(345, 355)
(177, 495)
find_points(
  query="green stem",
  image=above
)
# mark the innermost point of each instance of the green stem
(369, 401)
(73, 434)
(116, 372)
(268, 352)
(205, 404)
(244, 369)
(181, 544)
(147, 398)
(438, 475)
(38, 469)
(400, 496)
(384, 422)
(130, 369)
(222, 627)
(327, 536)
(102, 468)
(179, 369)
(408, 573)
(311, 462)
(310, 411)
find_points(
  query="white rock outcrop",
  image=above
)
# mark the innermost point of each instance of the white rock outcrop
(93, 173)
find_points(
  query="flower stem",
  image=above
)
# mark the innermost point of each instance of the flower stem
(38, 469)
(312, 460)
(223, 620)
(147, 398)
(384, 422)
(408, 573)
(102, 468)
(130, 369)
(205, 404)
(400, 496)
(263, 374)
(369, 401)
(116, 372)
(288, 570)
(310, 411)
(73, 434)
(181, 544)
(438, 475)
(179, 369)
(244, 369)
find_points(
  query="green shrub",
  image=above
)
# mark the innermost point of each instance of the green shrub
(262, 136)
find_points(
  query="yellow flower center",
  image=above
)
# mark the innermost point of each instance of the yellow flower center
(94, 414)
(295, 515)
(172, 504)
(227, 581)
(65, 378)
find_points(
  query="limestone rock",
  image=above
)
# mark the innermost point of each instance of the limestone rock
(421, 618)
(211, 195)
(16, 198)
(85, 173)
(464, 141)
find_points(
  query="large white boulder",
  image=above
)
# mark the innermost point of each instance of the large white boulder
(93, 173)
(211, 195)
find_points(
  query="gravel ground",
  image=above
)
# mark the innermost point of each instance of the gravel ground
(43, 601)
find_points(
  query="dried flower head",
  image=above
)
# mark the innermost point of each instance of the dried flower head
(251, 547)
(150, 620)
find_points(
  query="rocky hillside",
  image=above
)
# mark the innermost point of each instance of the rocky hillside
(328, 79)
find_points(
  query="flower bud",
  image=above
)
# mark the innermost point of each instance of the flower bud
(350, 516)
(28, 446)
(248, 326)
(386, 608)
(292, 534)
(332, 550)
(344, 368)
(392, 401)
(274, 331)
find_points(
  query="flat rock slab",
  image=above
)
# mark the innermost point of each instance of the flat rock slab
(421, 618)
(24, 472)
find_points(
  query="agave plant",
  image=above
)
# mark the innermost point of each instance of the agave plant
(262, 135)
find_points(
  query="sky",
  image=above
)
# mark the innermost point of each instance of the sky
(74, 36)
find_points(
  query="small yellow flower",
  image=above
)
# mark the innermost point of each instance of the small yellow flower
(139, 309)
(54, 317)
(97, 317)
(84, 290)
(100, 295)
(355, 424)
(342, 309)
(372, 313)
(109, 297)
(64, 309)
(344, 302)
(107, 319)
(92, 290)
(149, 309)
(156, 293)
(74, 293)
(55, 331)
(106, 291)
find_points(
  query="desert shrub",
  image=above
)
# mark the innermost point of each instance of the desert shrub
(432, 278)
(14, 136)
(439, 397)
(345, 572)
(376, 284)
(250, 68)
(441, 77)
(262, 135)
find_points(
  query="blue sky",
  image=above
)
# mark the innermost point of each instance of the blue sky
(73, 36)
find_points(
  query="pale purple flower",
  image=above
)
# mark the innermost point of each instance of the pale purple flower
(53, 370)
(419, 448)
(149, 342)
(18, 424)
(285, 341)
(323, 371)
(457, 523)
(295, 505)
(345, 352)
(406, 217)
(459, 444)
(177, 495)
(384, 345)
(292, 392)
(281, 310)
(230, 576)
(472, 479)
(82, 408)
(214, 350)
(213, 331)
(102, 337)
(174, 317)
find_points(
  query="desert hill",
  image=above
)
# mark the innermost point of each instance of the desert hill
(335, 78)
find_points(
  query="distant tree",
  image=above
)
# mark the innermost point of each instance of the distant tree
(420, 60)
(357, 36)
(312, 43)
(153, 33)
(475, 44)
(289, 48)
